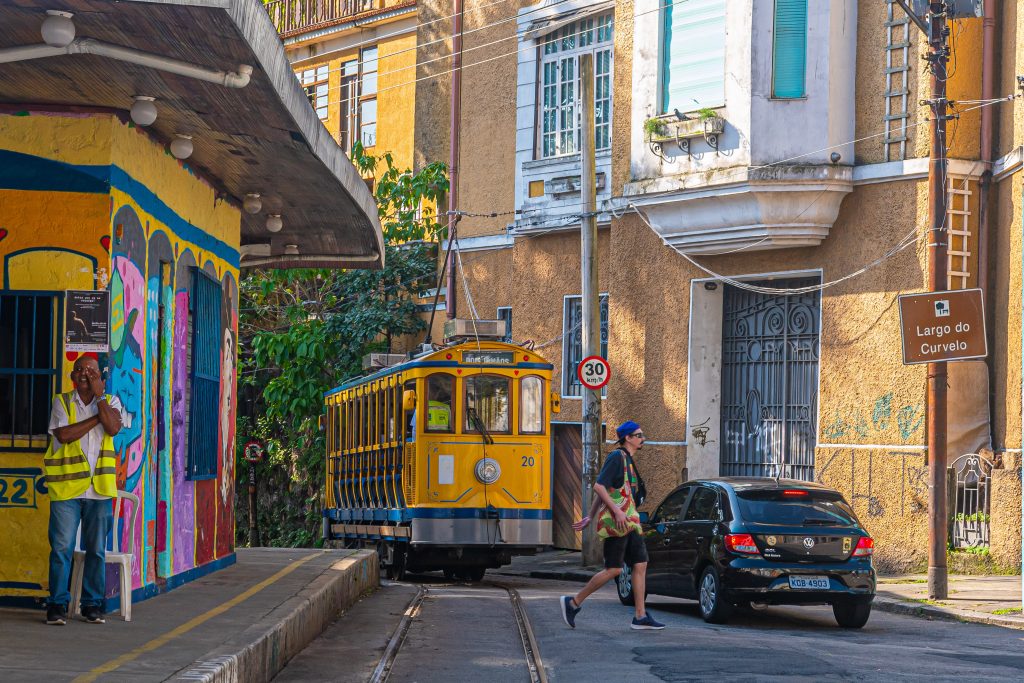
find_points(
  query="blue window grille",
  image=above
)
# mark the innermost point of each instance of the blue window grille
(693, 55)
(204, 414)
(572, 343)
(505, 313)
(789, 51)
(31, 329)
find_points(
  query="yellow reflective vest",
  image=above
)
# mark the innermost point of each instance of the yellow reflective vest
(67, 468)
(439, 416)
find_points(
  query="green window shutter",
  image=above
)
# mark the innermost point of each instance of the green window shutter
(693, 55)
(790, 49)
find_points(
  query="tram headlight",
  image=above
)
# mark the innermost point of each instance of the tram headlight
(488, 470)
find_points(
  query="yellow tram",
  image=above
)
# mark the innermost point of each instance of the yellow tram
(443, 462)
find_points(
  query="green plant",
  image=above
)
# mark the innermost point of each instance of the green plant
(1007, 611)
(973, 517)
(303, 331)
(976, 550)
(655, 127)
(705, 113)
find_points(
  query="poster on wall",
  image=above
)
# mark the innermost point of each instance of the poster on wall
(87, 321)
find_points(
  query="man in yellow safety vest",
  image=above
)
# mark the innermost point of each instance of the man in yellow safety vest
(81, 475)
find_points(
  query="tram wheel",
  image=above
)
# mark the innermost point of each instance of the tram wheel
(475, 574)
(396, 569)
(449, 573)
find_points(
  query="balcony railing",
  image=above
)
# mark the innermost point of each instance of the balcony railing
(295, 16)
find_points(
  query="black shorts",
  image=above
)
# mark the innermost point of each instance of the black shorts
(628, 549)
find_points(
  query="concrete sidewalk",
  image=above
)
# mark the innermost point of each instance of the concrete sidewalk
(978, 599)
(242, 623)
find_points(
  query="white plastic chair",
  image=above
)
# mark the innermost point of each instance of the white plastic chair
(116, 557)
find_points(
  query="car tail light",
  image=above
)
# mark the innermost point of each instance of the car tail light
(865, 547)
(741, 543)
(794, 492)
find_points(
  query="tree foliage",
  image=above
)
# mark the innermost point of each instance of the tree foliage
(303, 331)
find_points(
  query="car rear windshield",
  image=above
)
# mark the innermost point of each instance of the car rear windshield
(810, 508)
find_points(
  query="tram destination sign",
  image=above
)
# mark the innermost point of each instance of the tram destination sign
(941, 326)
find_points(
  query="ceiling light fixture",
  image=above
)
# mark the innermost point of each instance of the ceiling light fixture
(274, 223)
(252, 203)
(181, 146)
(291, 249)
(58, 30)
(143, 111)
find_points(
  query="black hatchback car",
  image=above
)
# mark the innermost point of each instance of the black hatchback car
(735, 542)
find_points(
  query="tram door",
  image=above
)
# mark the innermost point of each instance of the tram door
(770, 380)
(566, 499)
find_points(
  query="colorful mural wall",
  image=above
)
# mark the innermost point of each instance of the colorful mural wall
(112, 209)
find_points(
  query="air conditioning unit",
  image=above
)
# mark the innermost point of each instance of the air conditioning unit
(461, 328)
(376, 361)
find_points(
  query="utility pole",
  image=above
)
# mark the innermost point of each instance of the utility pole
(454, 141)
(938, 585)
(591, 303)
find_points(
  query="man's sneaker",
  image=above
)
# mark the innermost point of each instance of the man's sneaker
(568, 611)
(646, 624)
(93, 614)
(56, 615)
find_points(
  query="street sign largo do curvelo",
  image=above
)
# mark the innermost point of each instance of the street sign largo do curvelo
(942, 326)
(594, 372)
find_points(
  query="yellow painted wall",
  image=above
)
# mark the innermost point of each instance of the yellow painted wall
(53, 238)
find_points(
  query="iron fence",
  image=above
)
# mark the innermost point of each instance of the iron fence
(970, 476)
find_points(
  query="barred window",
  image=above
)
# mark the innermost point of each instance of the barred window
(572, 343)
(30, 336)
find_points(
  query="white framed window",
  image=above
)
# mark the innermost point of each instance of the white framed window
(693, 55)
(314, 84)
(368, 96)
(558, 101)
(572, 342)
(349, 104)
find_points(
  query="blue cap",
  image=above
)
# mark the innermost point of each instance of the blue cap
(626, 428)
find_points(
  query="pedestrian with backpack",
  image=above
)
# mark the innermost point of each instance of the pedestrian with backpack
(618, 523)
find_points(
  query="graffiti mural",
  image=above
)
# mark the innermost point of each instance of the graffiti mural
(97, 225)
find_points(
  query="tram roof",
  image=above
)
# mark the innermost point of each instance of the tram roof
(435, 359)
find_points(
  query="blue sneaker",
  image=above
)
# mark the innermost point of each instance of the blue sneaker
(568, 611)
(646, 624)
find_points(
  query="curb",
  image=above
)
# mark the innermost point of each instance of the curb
(926, 611)
(262, 650)
(886, 604)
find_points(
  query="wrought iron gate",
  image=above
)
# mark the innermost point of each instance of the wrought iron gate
(770, 381)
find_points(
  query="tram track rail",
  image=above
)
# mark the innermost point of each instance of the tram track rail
(531, 649)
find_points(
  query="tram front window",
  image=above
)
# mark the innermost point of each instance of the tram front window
(487, 396)
(439, 407)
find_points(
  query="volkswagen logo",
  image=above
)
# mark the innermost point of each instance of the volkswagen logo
(808, 542)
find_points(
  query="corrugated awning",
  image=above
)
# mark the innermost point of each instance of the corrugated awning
(541, 27)
(262, 138)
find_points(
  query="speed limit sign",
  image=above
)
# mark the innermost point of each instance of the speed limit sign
(594, 372)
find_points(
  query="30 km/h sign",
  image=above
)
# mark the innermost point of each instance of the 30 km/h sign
(940, 326)
(594, 372)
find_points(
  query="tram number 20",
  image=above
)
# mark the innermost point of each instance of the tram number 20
(528, 461)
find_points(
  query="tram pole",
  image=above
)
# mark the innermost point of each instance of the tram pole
(590, 301)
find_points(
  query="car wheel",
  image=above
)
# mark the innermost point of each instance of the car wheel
(713, 605)
(624, 586)
(851, 613)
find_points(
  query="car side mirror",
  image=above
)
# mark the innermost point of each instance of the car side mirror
(645, 518)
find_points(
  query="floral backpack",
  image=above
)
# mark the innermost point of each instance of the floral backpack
(623, 499)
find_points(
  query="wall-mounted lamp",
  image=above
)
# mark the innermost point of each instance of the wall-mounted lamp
(143, 111)
(291, 249)
(274, 223)
(181, 146)
(252, 203)
(58, 30)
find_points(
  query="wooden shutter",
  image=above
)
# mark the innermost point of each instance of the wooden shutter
(790, 49)
(204, 418)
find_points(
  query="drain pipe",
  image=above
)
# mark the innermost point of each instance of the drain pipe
(985, 189)
(451, 299)
(91, 46)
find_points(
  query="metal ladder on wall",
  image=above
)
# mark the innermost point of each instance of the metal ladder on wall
(897, 81)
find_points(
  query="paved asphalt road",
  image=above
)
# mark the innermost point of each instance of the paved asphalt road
(467, 632)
